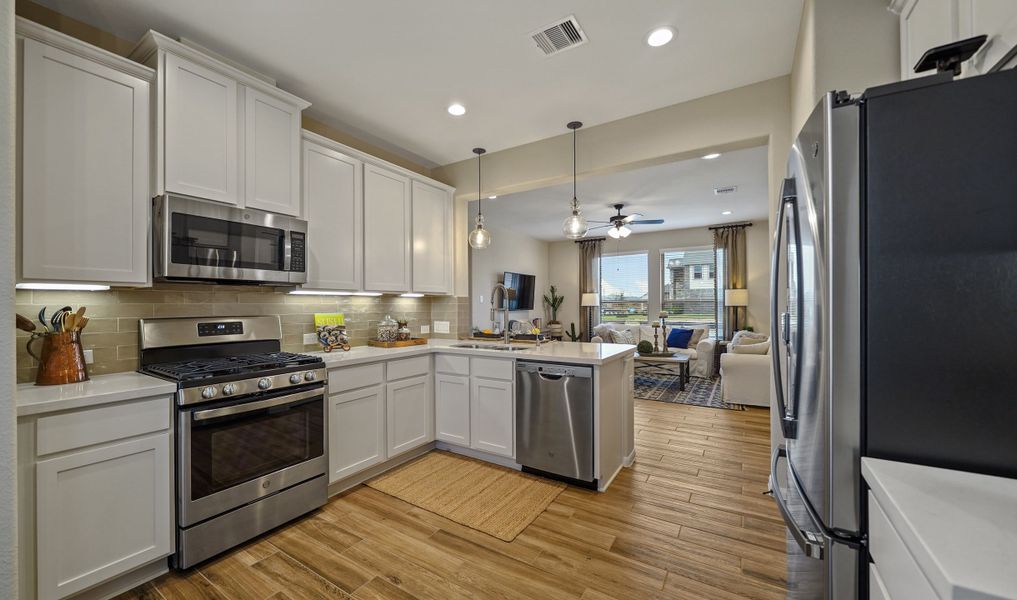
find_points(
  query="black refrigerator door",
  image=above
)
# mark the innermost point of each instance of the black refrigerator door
(940, 274)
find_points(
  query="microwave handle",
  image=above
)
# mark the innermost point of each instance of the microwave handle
(288, 251)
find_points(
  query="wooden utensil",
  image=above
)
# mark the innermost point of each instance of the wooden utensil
(24, 323)
(78, 316)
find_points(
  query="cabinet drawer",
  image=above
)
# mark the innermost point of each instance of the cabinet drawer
(877, 590)
(900, 574)
(351, 378)
(492, 368)
(102, 424)
(452, 364)
(408, 367)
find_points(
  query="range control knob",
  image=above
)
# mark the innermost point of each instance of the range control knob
(310, 376)
(209, 392)
(229, 389)
(264, 383)
(295, 378)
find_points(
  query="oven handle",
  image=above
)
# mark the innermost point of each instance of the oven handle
(204, 415)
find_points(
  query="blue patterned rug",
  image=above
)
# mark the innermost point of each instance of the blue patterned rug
(700, 391)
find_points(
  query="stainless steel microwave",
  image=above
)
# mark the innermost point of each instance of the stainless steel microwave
(206, 241)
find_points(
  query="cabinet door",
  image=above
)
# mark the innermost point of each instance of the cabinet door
(386, 230)
(492, 416)
(85, 170)
(432, 239)
(452, 408)
(409, 414)
(334, 210)
(356, 424)
(201, 132)
(271, 154)
(925, 24)
(995, 18)
(101, 513)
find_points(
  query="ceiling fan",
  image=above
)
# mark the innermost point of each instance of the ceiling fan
(618, 225)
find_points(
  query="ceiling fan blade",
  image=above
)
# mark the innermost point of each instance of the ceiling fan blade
(647, 222)
(628, 218)
(608, 222)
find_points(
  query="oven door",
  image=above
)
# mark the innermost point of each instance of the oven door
(197, 239)
(232, 454)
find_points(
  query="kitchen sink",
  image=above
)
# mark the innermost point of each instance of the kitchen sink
(491, 347)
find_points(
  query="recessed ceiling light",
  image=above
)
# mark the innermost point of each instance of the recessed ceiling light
(711, 156)
(660, 36)
(456, 110)
(726, 212)
(491, 197)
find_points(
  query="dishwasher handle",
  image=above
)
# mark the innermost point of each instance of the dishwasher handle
(554, 371)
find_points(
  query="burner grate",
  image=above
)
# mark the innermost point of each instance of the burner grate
(231, 365)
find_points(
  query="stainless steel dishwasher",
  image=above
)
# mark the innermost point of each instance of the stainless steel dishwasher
(554, 421)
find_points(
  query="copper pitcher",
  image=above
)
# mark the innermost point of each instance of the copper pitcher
(62, 360)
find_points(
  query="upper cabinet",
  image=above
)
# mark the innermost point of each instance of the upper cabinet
(925, 24)
(432, 239)
(387, 230)
(84, 140)
(334, 209)
(223, 133)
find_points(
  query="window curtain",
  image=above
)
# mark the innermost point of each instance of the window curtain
(589, 282)
(730, 241)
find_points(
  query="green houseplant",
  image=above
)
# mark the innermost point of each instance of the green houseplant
(554, 302)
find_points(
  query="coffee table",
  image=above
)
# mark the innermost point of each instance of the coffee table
(665, 364)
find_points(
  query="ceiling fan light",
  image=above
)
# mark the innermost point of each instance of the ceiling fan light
(575, 226)
(614, 233)
(624, 231)
(480, 238)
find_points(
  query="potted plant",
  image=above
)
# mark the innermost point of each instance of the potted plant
(554, 302)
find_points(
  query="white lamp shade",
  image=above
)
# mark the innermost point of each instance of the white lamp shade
(590, 299)
(736, 297)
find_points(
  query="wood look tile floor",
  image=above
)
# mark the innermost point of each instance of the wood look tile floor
(687, 521)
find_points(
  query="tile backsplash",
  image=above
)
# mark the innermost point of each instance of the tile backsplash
(112, 332)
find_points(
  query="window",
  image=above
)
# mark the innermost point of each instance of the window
(624, 288)
(689, 287)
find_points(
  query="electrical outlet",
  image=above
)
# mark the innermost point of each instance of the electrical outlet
(310, 338)
(89, 359)
(425, 329)
(441, 327)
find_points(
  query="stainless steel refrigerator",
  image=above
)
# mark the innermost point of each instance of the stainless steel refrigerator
(894, 279)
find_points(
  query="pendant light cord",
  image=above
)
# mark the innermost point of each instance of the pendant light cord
(574, 198)
(480, 199)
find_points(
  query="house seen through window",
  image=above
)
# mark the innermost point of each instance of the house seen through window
(624, 288)
(689, 291)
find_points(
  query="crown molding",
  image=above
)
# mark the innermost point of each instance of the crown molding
(27, 29)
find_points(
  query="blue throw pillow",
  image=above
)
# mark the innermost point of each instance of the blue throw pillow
(679, 338)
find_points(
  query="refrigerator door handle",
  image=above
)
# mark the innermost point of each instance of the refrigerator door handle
(780, 326)
(812, 544)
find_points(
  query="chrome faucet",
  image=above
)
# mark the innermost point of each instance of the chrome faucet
(504, 310)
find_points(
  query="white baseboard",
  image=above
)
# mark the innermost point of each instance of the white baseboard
(354, 480)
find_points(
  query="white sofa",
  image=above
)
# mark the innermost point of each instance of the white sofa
(745, 378)
(700, 357)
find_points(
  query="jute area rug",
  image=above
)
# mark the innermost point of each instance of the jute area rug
(498, 501)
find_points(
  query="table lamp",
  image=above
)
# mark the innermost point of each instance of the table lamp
(738, 299)
(589, 299)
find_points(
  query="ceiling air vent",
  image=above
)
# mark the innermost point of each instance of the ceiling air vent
(727, 189)
(559, 36)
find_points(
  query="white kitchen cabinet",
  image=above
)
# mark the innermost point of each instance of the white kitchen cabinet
(492, 416)
(85, 168)
(432, 239)
(334, 211)
(410, 410)
(452, 408)
(925, 24)
(272, 155)
(101, 512)
(356, 431)
(201, 143)
(387, 230)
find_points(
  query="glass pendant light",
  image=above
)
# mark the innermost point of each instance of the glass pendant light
(575, 226)
(480, 238)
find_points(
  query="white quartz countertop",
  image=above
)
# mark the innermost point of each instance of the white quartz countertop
(566, 352)
(960, 527)
(34, 399)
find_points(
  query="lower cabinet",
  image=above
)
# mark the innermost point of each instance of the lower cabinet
(452, 408)
(101, 513)
(492, 416)
(409, 414)
(356, 431)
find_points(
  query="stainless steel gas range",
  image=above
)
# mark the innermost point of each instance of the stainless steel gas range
(251, 450)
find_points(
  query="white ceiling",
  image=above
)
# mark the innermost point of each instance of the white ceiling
(386, 70)
(681, 193)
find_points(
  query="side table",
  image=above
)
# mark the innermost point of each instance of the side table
(720, 348)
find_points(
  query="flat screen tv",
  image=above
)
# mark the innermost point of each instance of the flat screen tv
(523, 286)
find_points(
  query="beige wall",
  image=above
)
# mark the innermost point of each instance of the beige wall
(842, 46)
(8, 452)
(564, 266)
(509, 251)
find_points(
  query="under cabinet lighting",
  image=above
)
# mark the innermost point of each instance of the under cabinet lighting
(372, 294)
(726, 212)
(319, 293)
(412, 295)
(711, 156)
(67, 287)
(492, 197)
